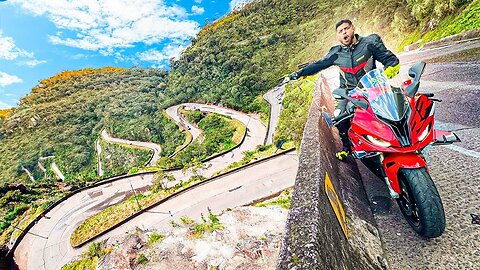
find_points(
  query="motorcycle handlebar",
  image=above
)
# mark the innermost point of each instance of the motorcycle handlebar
(343, 116)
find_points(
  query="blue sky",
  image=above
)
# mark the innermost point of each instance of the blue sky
(40, 38)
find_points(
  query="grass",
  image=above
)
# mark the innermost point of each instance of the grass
(296, 106)
(240, 130)
(115, 214)
(198, 230)
(118, 158)
(89, 258)
(283, 200)
(22, 220)
(468, 19)
(220, 143)
(141, 259)
(188, 140)
(186, 220)
(155, 237)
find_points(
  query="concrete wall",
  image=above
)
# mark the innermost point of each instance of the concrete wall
(314, 238)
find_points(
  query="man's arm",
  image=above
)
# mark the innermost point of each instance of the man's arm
(381, 53)
(321, 64)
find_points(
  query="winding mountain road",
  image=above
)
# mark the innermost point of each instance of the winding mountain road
(48, 244)
(174, 113)
(275, 97)
(156, 148)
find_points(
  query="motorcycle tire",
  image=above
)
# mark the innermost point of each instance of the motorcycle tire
(420, 202)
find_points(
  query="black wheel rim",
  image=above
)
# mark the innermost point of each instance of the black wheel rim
(408, 205)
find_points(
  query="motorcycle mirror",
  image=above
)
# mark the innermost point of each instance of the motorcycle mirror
(416, 70)
(360, 103)
(328, 119)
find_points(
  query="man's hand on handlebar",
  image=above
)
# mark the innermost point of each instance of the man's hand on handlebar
(348, 113)
(290, 77)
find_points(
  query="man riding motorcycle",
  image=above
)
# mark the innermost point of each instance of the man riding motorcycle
(355, 56)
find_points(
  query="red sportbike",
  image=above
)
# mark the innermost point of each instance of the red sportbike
(390, 127)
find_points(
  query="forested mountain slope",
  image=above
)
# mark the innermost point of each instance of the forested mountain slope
(63, 116)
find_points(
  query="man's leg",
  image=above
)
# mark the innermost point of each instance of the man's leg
(343, 130)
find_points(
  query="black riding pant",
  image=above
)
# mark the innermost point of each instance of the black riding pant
(344, 126)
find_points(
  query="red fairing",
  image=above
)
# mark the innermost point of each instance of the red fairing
(393, 162)
(421, 118)
(365, 123)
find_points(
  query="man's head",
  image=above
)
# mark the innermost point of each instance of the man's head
(345, 32)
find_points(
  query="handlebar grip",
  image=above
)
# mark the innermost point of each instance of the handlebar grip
(341, 117)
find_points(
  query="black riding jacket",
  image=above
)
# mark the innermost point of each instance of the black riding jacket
(354, 61)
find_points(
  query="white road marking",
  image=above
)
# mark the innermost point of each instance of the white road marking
(462, 150)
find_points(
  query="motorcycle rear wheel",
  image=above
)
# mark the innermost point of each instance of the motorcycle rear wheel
(420, 202)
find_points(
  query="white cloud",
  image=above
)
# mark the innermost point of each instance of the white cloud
(170, 51)
(198, 10)
(236, 4)
(109, 25)
(32, 63)
(7, 79)
(197, 1)
(10, 51)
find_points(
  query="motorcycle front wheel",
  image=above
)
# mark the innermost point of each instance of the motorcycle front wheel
(420, 202)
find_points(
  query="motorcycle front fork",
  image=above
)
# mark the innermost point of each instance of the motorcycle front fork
(374, 164)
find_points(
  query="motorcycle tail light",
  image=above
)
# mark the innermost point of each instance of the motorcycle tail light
(377, 141)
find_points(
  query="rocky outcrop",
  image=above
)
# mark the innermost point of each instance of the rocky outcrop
(250, 239)
(124, 255)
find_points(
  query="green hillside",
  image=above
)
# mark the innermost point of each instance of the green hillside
(63, 116)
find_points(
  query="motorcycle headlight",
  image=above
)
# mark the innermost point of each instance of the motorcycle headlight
(424, 134)
(377, 141)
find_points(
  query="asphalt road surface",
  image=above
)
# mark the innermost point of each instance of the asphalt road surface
(49, 248)
(175, 115)
(274, 96)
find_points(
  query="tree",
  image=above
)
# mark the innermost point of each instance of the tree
(161, 180)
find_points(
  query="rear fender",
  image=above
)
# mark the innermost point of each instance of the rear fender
(393, 162)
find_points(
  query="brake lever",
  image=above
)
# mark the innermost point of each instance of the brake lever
(435, 99)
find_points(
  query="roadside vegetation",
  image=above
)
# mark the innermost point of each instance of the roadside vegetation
(89, 258)
(199, 229)
(164, 184)
(220, 133)
(261, 152)
(283, 200)
(120, 158)
(296, 105)
(21, 204)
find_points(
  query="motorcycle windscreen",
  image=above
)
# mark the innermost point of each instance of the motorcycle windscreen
(385, 102)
